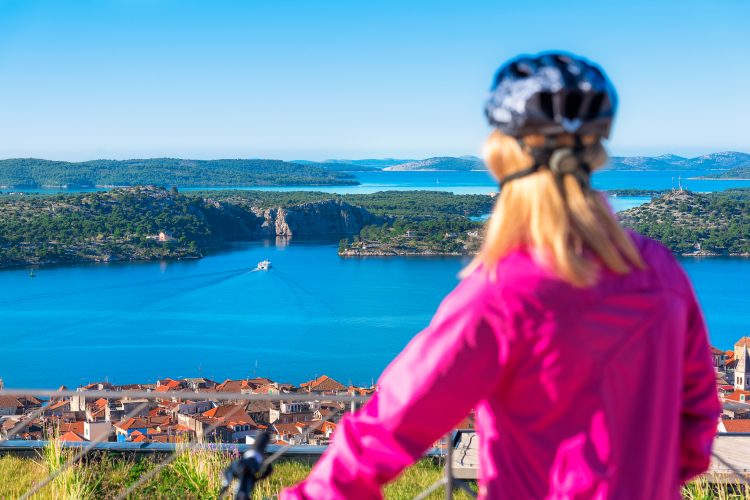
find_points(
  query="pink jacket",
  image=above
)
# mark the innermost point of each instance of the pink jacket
(607, 392)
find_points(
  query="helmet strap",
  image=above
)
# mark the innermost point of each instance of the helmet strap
(558, 160)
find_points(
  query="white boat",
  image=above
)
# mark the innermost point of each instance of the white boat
(263, 265)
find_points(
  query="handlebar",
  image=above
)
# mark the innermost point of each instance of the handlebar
(247, 470)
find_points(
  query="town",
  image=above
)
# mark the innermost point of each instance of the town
(178, 411)
(202, 410)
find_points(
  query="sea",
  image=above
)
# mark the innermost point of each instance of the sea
(313, 313)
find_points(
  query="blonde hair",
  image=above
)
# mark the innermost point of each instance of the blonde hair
(554, 217)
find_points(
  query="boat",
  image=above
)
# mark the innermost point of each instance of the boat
(263, 265)
(31, 274)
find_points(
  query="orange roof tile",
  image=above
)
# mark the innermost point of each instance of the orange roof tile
(72, 437)
(323, 383)
(76, 427)
(132, 423)
(735, 396)
(738, 425)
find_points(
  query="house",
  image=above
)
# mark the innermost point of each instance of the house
(237, 386)
(719, 358)
(125, 428)
(199, 383)
(97, 431)
(18, 405)
(742, 370)
(734, 425)
(738, 395)
(71, 436)
(260, 411)
(57, 408)
(293, 434)
(116, 410)
(165, 236)
(324, 384)
(191, 407)
(226, 423)
(235, 420)
(78, 402)
(735, 409)
(288, 413)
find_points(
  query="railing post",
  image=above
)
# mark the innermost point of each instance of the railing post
(449, 467)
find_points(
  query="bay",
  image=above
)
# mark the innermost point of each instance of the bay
(313, 313)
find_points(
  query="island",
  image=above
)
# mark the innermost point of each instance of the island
(734, 174)
(696, 224)
(690, 224)
(152, 223)
(35, 173)
(448, 163)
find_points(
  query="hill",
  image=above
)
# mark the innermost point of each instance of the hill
(124, 224)
(441, 163)
(737, 173)
(33, 173)
(713, 161)
(696, 223)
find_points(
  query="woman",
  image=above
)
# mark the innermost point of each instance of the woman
(581, 346)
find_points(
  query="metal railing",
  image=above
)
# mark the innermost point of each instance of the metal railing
(173, 450)
(722, 454)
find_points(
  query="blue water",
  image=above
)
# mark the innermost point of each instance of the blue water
(313, 313)
(479, 182)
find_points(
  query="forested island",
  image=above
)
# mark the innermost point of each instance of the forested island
(36, 173)
(707, 224)
(696, 223)
(147, 223)
(737, 173)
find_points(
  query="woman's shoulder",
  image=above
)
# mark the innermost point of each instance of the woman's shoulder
(515, 275)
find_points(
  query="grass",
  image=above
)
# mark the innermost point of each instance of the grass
(196, 474)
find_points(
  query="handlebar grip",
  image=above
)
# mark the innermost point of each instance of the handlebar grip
(261, 441)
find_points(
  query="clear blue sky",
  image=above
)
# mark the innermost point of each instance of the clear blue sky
(311, 79)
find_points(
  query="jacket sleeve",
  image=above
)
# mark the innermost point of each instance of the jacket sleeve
(700, 401)
(443, 372)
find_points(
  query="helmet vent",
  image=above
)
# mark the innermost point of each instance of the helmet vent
(595, 106)
(573, 105)
(545, 104)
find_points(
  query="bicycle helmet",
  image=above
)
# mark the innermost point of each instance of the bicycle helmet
(551, 93)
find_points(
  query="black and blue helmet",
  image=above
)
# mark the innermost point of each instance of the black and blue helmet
(551, 93)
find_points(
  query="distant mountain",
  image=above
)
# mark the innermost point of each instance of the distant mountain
(737, 173)
(441, 163)
(713, 161)
(725, 159)
(33, 172)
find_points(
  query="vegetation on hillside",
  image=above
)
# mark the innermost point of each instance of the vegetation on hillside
(731, 174)
(32, 172)
(124, 224)
(696, 223)
(437, 236)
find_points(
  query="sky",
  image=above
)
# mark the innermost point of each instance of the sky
(84, 79)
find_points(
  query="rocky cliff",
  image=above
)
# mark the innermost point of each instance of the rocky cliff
(328, 217)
